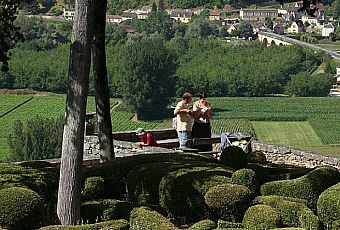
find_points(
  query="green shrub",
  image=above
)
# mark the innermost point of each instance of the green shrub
(44, 181)
(145, 219)
(234, 157)
(245, 177)
(336, 225)
(114, 172)
(328, 205)
(288, 229)
(257, 157)
(36, 164)
(261, 217)
(93, 188)
(308, 187)
(39, 138)
(20, 208)
(294, 212)
(203, 225)
(112, 225)
(104, 210)
(143, 181)
(228, 224)
(181, 192)
(230, 201)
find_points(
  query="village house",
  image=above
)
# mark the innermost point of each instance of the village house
(181, 16)
(296, 27)
(114, 19)
(228, 21)
(128, 16)
(314, 21)
(68, 12)
(327, 29)
(258, 14)
(215, 15)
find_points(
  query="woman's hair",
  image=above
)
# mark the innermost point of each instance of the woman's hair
(202, 95)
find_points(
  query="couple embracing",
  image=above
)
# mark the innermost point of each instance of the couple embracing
(201, 113)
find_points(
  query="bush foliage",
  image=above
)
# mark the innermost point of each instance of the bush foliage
(328, 205)
(261, 217)
(308, 187)
(20, 208)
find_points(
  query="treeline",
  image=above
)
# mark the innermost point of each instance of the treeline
(238, 68)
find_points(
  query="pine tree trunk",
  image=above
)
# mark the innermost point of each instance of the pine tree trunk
(101, 84)
(68, 207)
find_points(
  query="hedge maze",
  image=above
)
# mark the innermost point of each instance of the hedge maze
(175, 191)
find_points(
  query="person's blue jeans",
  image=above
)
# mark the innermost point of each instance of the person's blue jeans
(183, 137)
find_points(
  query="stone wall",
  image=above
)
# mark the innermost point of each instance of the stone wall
(283, 155)
(274, 153)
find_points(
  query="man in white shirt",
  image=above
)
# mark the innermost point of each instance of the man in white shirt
(184, 120)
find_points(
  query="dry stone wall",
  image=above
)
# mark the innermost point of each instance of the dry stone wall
(274, 153)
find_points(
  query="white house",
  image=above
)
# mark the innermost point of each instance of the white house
(114, 19)
(327, 29)
(68, 12)
(181, 16)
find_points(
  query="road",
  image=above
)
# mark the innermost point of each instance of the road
(295, 41)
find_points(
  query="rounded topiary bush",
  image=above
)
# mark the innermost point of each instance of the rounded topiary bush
(307, 187)
(93, 188)
(115, 171)
(181, 192)
(293, 212)
(245, 177)
(104, 210)
(261, 217)
(257, 157)
(203, 225)
(234, 157)
(147, 219)
(20, 208)
(112, 225)
(328, 205)
(229, 201)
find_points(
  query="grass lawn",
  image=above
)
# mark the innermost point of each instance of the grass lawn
(294, 134)
(4, 149)
(332, 47)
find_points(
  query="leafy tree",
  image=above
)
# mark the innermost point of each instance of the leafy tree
(245, 30)
(36, 139)
(161, 6)
(198, 28)
(9, 33)
(154, 7)
(332, 37)
(309, 85)
(223, 32)
(269, 23)
(159, 22)
(148, 82)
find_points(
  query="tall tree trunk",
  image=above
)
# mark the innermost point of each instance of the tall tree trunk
(101, 84)
(68, 207)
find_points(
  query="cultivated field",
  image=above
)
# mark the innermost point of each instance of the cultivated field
(306, 123)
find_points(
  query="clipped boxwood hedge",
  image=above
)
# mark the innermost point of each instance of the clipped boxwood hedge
(112, 225)
(93, 188)
(230, 201)
(203, 225)
(143, 181)
(227, 224)
(234, 157)
(44, 181)
(329, 205)
(245, 177)
(182, 191)
(146, 219)
(114, 172)
(261, 217)
(308, 187)
(20, 208)
(294, 212)
(104, 210)
(256, 157)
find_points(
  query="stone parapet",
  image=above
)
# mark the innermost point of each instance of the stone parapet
(285, 155)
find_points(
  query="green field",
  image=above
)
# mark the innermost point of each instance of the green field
(305, 123)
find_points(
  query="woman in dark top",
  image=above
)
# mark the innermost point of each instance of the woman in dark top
(201, 127)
